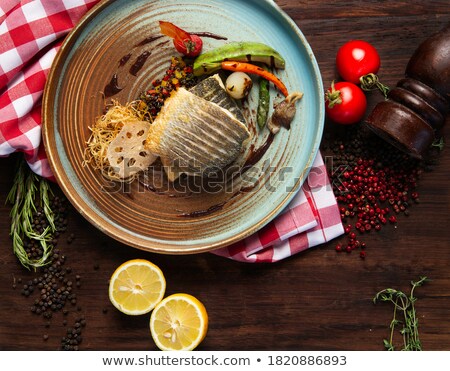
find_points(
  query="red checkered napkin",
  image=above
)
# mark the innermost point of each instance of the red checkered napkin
(311, 218)
(31, 32)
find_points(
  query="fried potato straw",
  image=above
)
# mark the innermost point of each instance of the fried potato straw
(105, 130)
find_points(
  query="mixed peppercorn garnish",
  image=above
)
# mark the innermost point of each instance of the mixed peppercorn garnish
(373, 183)
(179, 73)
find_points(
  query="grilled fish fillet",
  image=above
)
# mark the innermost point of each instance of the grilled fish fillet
(194, 135)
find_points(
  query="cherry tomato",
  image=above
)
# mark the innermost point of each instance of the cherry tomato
(357, 58)
(345, 103)
(190, 47)
(184, 42)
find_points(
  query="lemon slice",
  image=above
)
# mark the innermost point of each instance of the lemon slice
(179, 322)
(136, 287)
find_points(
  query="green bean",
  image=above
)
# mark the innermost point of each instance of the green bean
(243, 51)
(263, 103)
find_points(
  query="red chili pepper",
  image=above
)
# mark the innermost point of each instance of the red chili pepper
(184, 42)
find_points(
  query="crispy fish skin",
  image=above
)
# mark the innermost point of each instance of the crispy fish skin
(212, 89)
(196, 135)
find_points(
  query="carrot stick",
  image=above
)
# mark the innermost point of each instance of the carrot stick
(251, 68)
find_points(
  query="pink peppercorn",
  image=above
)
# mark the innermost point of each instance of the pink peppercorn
(393, 219)
(378, 183)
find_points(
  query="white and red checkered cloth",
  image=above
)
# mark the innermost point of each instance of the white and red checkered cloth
(310, 219)
(31, 32)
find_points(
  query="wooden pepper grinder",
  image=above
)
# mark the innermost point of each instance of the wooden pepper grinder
(416, 108)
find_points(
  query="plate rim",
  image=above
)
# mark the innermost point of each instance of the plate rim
(121, 234)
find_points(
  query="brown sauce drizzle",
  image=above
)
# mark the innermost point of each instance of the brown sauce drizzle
(140, 61)
(272, 61)
(151, 188)
(124, 59)
(257, 154)
(149, 39)
(210, 35)
(112, 87)
(248, 57)
(171, 193)
(197, 213)
(152, 38)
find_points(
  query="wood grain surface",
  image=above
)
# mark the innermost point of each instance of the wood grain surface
(318, 300)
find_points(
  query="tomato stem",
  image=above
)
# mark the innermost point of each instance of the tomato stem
(333, 96)
(371, 82)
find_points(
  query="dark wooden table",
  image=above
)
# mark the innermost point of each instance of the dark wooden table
(318, 300)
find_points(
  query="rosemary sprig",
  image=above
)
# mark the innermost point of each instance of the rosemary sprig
(404, 304)
(29, 190)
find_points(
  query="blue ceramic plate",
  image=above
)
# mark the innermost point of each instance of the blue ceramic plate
(177, 221)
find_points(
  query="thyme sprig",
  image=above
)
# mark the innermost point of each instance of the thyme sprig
(439, 143)
(29, 190)
(404, 316)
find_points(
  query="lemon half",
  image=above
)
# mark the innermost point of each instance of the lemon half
(179, 322)
(136, 287)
